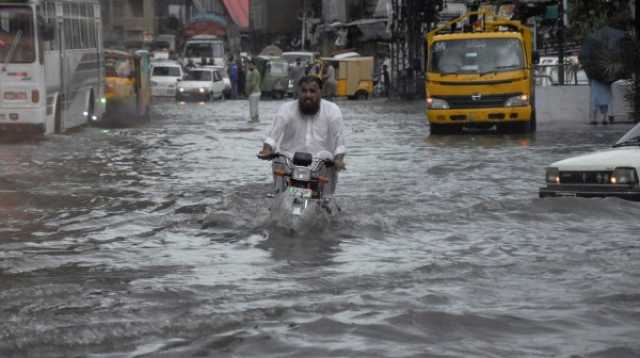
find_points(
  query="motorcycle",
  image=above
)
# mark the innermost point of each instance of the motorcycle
(303, 189)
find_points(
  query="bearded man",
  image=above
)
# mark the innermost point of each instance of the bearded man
(309, 124)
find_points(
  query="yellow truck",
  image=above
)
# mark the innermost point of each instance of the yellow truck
(480, 73)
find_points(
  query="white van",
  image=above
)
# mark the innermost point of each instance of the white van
(164, 78)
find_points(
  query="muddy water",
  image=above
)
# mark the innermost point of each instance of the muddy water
(154, 241)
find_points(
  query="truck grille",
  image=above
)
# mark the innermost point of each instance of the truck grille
(585, 177)
(478, 101)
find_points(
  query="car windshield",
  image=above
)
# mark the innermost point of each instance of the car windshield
(166, 71)
(632, 137)
(476, 56)
(199, 76)
(16, 35)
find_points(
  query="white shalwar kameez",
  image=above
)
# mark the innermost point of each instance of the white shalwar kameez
(321, 134)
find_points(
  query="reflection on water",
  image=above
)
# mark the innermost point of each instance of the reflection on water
(155, 240)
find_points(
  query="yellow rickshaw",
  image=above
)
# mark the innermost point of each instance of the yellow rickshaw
(128, 85)
(354, 76)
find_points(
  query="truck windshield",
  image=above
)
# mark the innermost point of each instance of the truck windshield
(205, 49)
(16, 35)
(476, 56)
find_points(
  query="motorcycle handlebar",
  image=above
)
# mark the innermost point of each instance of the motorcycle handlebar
(327, 162)
(271, 156)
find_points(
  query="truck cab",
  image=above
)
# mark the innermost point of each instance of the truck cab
(480, 74)
(201, 48)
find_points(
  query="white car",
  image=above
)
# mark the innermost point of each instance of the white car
(609, 172)
(164, 78)
(201, 84)
(225, 78)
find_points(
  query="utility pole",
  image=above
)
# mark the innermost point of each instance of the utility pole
(636, 21)
(304, 24)
(561, 10)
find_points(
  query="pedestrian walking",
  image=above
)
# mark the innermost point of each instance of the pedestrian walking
(233, 78)
(242, 79)
(253, 91)
(296, 72)
(328, 81)
(386, 80)
(600, 99)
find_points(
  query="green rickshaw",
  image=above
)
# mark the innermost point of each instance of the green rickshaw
(274, 71)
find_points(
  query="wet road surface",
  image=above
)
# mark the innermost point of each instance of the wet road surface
(154, 241)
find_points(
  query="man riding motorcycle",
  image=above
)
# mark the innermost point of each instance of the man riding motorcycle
(311, 125)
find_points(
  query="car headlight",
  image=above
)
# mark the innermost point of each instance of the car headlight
(624, 176)
(553, 175)
(180, 89)
(154, 83)
(436, 103)
(201, 90)
(517, 101)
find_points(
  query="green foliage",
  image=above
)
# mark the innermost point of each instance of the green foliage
(586, 16)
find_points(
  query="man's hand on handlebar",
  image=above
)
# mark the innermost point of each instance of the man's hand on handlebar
(266, 153)
(339, 163)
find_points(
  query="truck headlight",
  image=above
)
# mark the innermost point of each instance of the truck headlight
(436, 103)
(552, 175)
(517, 101)
(624, 176)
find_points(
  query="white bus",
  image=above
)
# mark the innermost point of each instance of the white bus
(51, 65)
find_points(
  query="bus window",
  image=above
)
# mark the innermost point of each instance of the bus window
(16, 31)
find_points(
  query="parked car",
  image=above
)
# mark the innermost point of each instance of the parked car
(164, 78)
(201, 84)
(609, 172)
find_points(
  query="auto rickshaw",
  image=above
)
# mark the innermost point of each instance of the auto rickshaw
(274, 71)
(128, 85)
(354, 76)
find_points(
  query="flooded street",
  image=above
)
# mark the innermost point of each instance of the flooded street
(154, 241)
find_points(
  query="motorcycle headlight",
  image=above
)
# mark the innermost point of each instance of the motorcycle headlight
(553, 176)
(624, 176)
(517, 101)
(180, 89)
(437, 103)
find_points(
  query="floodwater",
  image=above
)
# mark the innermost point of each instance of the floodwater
(154, 241)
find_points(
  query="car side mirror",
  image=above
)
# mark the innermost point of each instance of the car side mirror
(536, 57)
